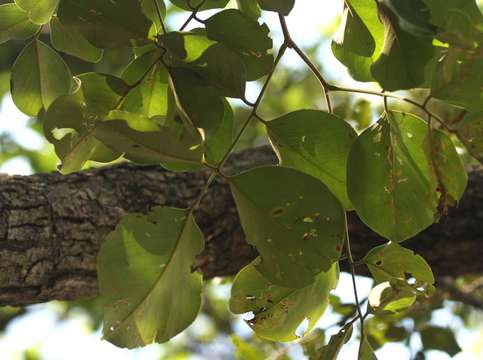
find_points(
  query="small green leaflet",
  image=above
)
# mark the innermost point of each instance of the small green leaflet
(294, 221)
(470, 132)
(394, 261)
(281, 6)
(49, 78)
(316, 143)
(106, 23)
(71, 41)
(391, 297)
(332, 349)
(15, 24)
(39, 11)
(389, 171)
(145, 278)
(278, 311)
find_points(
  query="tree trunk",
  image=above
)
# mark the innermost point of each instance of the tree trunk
(51, 226)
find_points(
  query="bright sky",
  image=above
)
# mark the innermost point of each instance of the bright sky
(71, 340)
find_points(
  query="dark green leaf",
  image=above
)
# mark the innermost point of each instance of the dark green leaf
(70, 41)
(49, 78)
(413, 16)
(249, 8)
(193, 4)
(439, 338)
(294, 221)
(316, 143)
(332, 349)
(278, 311)
(404, 57)
(139, 266)
(281, 6)
(15, 24)
(106, 23)
(365, 351)
(39, 11)
(470, 132)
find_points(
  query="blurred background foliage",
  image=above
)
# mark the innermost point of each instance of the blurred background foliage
(429, 325)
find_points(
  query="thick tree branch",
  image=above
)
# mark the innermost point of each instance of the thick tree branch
(51, 226)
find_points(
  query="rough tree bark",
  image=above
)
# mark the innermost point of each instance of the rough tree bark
(51, 226)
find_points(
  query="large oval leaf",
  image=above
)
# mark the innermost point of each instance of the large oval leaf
(49, 78)
(294, 221)
(106, 23)
(145, 278)
(15, 24)
(391, 179)
(278, 311)
(316, 143)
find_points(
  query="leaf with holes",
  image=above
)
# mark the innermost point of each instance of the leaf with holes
(294, 221)
(279, 311)
(316, 143)
(139, 265)
(394, 261)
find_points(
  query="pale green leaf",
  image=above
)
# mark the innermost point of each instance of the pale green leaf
(39, 11)
(145, 277)
(15, 24)
(278, 311)
(48, 78)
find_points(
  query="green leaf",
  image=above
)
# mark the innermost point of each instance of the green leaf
(39, 11)
(15, 24)
(106, 23)
(216, 63)
(199, 104)
(217, 145)
(316, 143)
(313, 343)
(139, 266)
(404, 56)
(150, 9)
(245, 350)
(278, 311)
(392, 297)
(332, 349)
(458, 80)
(360, 38)
(394, 261)
(294, 221)
(236, 30)
(413, 16)
(281, 6)
(149, 147)
(390, 177)
(439, 338)
(207, 4)
(365, 351)
(470, 132)
(70, 41)
(80, 112)
(249, 8)
(149, 95)
(49, 78)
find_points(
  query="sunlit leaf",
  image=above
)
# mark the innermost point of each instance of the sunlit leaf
(278, 311)
(392, 297)
(49, 78)
(316, 143)
(139, 266)
(15, 24)
(39, 11)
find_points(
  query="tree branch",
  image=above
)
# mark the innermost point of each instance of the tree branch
(51, 226)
